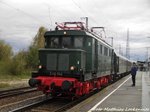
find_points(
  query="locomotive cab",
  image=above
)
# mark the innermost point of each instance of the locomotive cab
(63, 55)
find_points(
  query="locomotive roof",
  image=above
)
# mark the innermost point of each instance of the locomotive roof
(77, 33)
(73, 50)
(61, 32)
(99, 39)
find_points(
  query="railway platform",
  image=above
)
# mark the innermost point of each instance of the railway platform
(120, 97)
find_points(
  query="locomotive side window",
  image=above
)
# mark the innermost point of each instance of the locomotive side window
(110, 52)
(105, 51)
(66, 42)
(53, 42)
(78, 41)
(101, 49)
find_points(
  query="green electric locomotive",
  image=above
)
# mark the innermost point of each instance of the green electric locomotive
(76, 61)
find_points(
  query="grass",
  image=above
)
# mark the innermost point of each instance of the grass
(6, 81)
(7, 77)
(4, 85)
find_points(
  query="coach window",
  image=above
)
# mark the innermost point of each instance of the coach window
(66, 42)
(78, 41)
(54, 42)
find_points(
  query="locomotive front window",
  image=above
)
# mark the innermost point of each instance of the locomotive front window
(66, 42)
(54, 42)
(78, 41)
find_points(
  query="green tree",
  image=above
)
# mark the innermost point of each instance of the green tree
(38, 42)
(39, 39)
(32, 58)
(5, 51)
(6, 55)
(19, 63)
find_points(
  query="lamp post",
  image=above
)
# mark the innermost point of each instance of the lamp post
(148, 58)
(148, 66)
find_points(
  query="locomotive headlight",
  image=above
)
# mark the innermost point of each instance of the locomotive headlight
(72, 68)
(65, 33)
(81, 69)
(40, 66)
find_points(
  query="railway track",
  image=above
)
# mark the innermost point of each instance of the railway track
(10, 107)
(47, 105)
(14, 98)
(17, 91)
(51, 105)
(29, 107)
(44, 104)
(1, 91)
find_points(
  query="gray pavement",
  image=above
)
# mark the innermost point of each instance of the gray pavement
(120, 97)
(146, 90)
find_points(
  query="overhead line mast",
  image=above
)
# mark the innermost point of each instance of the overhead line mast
(127, 45)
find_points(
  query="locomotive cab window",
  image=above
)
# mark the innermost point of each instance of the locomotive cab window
(53, 42)
(66, 42)
(78, 42)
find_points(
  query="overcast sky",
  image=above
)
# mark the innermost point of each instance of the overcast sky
(20, 20)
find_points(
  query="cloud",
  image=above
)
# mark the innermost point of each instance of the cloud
(20, 19)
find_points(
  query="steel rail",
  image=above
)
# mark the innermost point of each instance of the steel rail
(29, 106)
(14, 92)
(15, 89)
